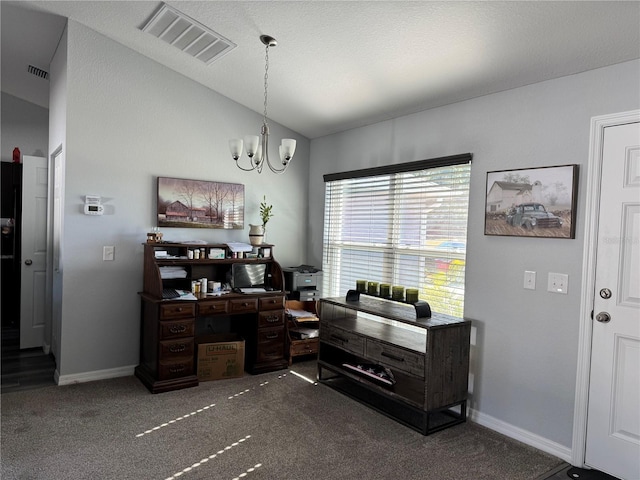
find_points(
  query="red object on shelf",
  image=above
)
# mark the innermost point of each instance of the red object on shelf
(16, 155)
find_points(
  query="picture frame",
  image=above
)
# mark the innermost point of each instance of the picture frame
(184, 203)
(532, 202)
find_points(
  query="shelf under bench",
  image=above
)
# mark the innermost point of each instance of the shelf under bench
(393, 406)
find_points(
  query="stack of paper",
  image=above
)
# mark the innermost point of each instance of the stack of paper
(302, 315)
(239, 247)
(173, 272)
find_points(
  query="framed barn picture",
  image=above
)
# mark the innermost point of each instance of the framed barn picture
(200, 204)
(532, 202)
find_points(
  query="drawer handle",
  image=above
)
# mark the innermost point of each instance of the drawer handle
(178, 329)
(177, 348)
(392, 357)
(245, 304)
(177, 369)
(271, 337)
(273, 318)
(340, 339)
(179, 309)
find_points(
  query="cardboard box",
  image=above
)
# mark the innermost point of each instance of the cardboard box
(220, 356)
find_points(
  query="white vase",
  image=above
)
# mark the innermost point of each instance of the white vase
(256, 234)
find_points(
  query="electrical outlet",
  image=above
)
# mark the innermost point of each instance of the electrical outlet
(558, 283)
(108, 253)
(529, 280)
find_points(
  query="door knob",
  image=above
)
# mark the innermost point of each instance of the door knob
(28, 261)
(603, 317)
(605, 293)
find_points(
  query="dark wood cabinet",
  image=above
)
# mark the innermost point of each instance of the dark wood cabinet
(170, 327)
(426, 359)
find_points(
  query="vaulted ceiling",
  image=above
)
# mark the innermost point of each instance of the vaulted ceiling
(344, 64)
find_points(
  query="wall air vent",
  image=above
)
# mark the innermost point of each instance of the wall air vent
(188, 35)
(38, 72)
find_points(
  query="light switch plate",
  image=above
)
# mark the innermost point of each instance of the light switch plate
(108, 253)
(558, 283)
(529, 280)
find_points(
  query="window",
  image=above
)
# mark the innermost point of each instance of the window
(400, 224)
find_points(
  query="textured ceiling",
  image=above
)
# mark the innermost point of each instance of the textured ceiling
(343, 64)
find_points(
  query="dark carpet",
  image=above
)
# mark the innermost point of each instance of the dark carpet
(270, 426)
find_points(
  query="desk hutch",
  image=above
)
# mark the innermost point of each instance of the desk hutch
(170, 328)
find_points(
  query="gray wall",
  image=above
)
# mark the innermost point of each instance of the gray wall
(525, 342)
(24, 125)
(129, 120)
(57, 140)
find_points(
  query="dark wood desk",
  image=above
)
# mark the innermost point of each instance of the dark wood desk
(169, 328)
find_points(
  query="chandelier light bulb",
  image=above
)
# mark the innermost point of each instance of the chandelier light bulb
(235, 145)
(251, 144)
(287, 149)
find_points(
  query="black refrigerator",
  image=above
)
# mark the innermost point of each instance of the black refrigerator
(10, 222)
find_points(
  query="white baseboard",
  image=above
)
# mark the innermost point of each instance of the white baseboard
(91, 376)
(521, 435)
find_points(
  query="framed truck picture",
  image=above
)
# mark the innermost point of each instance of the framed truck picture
(532, 202)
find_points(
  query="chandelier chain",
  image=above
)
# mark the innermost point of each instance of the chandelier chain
(266, 79)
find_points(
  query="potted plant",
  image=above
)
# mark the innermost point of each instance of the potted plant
(266, 212)
(257, 233)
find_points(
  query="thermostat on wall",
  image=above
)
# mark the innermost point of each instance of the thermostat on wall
(93, 209)
(93, 205)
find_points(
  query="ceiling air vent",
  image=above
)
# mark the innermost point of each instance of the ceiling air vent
(184, 33)
(38, 72)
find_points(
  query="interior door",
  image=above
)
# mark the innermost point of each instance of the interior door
(34, 252)
(613, 428)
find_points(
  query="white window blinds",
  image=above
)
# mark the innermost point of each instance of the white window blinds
(402, 225)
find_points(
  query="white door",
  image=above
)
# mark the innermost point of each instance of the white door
(613, 427)
(34, 252)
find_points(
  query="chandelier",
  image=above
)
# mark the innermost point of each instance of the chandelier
(257, 147)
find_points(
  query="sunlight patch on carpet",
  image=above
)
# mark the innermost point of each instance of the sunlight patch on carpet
(249, 470)
(238, 394)
(211, 457)
(174, 420)
(303, 377)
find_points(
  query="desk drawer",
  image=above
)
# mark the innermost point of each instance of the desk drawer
(243, 305)
(342, 338)
(177, 310)
(171, 349)
(405, 360)
(271, 318)
(175, 369)
(270, 344)
(271, 335)
(177, 329)
(303, 347)
(271, 303)
(213, 308)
